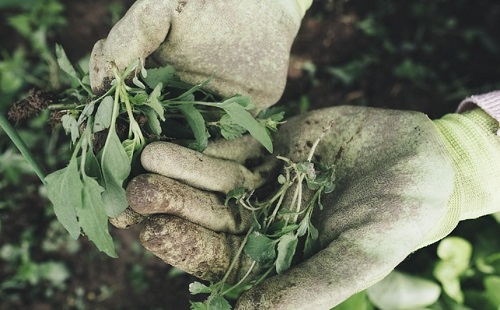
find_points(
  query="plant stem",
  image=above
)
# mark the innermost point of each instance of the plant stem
(61, 106)
(236, 257)
(242, 279)
(21, 146)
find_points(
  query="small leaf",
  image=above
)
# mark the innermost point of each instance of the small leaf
(115, 167)
(139, 99)
(455, 254)
(236, 193)
(229, 129)
(154, 124)
(286, 249)
(357, 301)
(70, 125)
(104, 114)
(198, 306)
(64, 189)
(197, 124)
(87, 111)
(310, 245)
(244, 119)
(199, 288)
(281, 179)
(93, 218)
(64, 62)
(260, 248)
(218, 302)
(308, 169)
(138, 83)
(402, 291)
(154, 102)
(129, 146)
(158, 75)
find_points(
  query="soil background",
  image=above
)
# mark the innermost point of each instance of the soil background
(336, 60)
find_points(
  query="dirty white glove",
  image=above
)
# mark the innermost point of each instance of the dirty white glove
(243, 45)
(396, 191)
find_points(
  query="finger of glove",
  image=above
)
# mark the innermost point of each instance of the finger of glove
(192, 248)
(127, 219)
(239, 150)
(150, 194)
(138, 34)
(196, 169)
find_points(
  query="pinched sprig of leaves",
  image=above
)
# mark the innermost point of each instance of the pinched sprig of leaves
(271, 243)
(91, 188)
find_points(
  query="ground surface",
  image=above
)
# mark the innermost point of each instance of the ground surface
(347, 52)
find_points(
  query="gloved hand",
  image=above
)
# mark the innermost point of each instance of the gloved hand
(402, 182)
(243, 45)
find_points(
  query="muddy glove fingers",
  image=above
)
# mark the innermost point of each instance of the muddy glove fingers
(243, 46)
(139, 33)
(150, 194)
(197, 169)
(194, 249)
(220, 161)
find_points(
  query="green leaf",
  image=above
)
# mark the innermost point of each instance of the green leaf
(129, 146)
(358, 301)
(138, 83)
(115, 167)
(197, 125)
(139, 99)
(218, 302)
(154, 102)
(158, 75)
(402, 291)
(70, 125)
(198, 306)
(492, 285)
(287, 245)
(93, 218)
(236, 193)
(260, 248)
(199, 288)
(154, 124)
(92, 167)
(455, 254)
(64, 62)
(497, 216)
(311, 241)
(241, 117)
(308, 169)
(87, 111)
(104, 114)
(229, 129)
(271, 118)
(64, 189)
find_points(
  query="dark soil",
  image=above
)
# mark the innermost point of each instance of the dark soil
(329, 37)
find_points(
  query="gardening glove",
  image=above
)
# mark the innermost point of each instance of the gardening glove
(402, 182)
(243, 46)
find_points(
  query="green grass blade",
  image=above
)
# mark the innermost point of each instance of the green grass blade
(21, 146)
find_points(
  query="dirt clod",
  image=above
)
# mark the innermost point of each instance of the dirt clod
(36, 101)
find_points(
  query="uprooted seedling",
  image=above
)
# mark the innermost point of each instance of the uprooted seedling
(108, 133)
(282, 225)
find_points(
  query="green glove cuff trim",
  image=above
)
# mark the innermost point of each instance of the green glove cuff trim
(474, 148)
